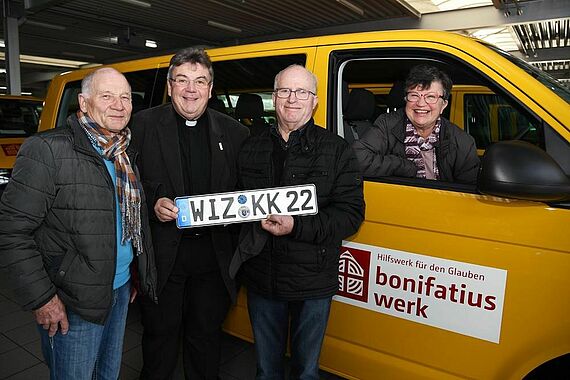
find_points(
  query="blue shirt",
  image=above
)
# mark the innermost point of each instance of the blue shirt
(124, 251)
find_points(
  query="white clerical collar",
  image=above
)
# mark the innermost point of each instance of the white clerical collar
(191, 123)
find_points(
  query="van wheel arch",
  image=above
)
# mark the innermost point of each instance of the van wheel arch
(554, 369)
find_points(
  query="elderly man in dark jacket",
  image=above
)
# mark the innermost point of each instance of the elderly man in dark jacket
(290, 264)
(71, 225)
(417, 141)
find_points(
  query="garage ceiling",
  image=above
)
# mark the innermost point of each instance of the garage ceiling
(106, 31)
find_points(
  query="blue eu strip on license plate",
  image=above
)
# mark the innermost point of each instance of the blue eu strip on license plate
(245, 206)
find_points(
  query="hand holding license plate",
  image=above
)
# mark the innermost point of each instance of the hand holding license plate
(245, 206)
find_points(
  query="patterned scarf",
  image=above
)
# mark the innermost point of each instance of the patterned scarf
(114, 148)
(415, 143)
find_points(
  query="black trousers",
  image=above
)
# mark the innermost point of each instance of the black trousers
(194, 301)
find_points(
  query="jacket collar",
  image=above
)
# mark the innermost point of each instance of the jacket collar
(308, 138)
(170, 149)
(167, 131)
(396, 123)
(220, 158)
(81, 142)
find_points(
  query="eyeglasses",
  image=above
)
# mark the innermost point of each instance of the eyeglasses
(414, 97)
(300, 94)
(184, 82)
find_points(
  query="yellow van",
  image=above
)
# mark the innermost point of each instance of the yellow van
(443, 281)
(19, 118)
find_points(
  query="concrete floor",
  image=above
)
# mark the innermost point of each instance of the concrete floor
(21, 357)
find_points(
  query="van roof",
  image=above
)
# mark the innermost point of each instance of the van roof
(429, 36)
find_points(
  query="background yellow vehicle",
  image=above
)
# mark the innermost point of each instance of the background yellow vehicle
(19, 118)
(498, 253)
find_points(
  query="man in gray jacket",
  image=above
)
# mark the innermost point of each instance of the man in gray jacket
(71, 225)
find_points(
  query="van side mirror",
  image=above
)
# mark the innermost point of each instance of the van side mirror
(517, 169)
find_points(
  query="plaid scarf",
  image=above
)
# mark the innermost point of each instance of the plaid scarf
(415, 143)
(114, 148)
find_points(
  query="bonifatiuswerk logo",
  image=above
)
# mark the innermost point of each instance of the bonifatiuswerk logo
(353, 273)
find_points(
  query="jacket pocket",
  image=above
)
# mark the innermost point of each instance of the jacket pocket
(322, 179)
(61, 272)
(309, 175)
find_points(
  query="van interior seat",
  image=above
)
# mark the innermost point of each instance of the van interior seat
(249, 111)
(217, 104)
(395, 99)
(359, 113)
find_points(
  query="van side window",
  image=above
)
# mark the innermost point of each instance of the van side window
(477, 104)
(19, 118)
(251, 76)
(147, 88)
(489, 118)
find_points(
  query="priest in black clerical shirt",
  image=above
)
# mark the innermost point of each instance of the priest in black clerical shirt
(185, 149)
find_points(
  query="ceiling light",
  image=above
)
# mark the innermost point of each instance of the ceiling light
(138, 3)
(78, 55)
(219, 25)
(151, 44)
(352, 7)
(45, 25)
(21, 93)
(48, 61)
(2, 44)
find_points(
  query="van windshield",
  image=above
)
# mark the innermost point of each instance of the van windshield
(554, 85)
(19, 117)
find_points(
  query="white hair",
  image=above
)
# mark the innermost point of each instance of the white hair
(296, 65)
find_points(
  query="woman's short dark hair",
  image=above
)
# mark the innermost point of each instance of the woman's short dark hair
(191, 55)
(424, 75)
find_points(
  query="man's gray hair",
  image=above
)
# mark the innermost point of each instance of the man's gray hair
(191, 55)
(295, 65)
(87, 82)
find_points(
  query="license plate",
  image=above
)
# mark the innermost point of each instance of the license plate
(245, 206)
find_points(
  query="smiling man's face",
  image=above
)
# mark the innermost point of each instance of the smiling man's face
(108, 102)
(189, 100)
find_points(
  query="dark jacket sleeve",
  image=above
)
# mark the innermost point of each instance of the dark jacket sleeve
(466, 165)
(344, 212)
(376, 153)
(23, 207)
(140, 126)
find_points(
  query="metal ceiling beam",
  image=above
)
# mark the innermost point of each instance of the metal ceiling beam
(79, 15)
(110, 47)
(255, 14)
(559, 74)
(456, 20)
(39, 5)
(39, 77)
(497, 4)
(12, 13)
(480, 17)
(413, 11)
(544, 55)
